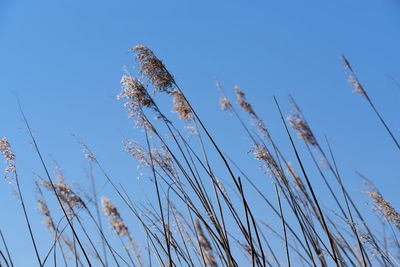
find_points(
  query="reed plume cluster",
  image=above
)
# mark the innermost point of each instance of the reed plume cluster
(10, 171)
(204, 209)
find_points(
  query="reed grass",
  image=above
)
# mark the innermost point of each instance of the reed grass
(202, 210)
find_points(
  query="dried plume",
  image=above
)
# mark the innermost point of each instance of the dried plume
(117, 224)
(49, 222)
(161, 158)
(225, 104)
(136, 98)
(86, 151)
(353, 80)
(223, 190)
(5, 149)
(382, 206)
(138, 152)
(291, 172)
(247, 108)
(135, 94)
(267, 161)
(153, 69)
(68, 197)
(205, 246)
(44, 210)
(190, 130)
(242, 102)
(181, 106)
(114, 219)
(300, 125)
(303, 196)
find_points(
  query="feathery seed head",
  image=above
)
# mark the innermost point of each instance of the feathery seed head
(181, 106)
(382, 206)
(247, 108)
(137, 151)
(69, 198)
(242, 102)
(357, 87)
(353, 80)
(267, 161)
(205, 246)
(114, 219)
(225, 104)
(191, 130)
(153, 69)
(135, 95)
(300, 125)
(44, 210)
(136, 98)
(5, 149)
(302, 129)
(90, 157)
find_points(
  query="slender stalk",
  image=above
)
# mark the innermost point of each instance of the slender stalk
(5, 246)
(283, 225)
(353, 226)
(310, 187)
(51, 183)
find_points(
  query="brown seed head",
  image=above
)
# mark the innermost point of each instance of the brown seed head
(205, 246)
(382, 206)
(242, 102)
(353, 80)
(267, 161)
(153, 69)
(225, 104)
(68, 197)
(5, 149)
(135, 95)
(44, 210)
(300, 125)
(181, 106)
(247, 108)
(114, 219)
(136, 98)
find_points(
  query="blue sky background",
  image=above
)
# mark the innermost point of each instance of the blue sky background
(65, 60)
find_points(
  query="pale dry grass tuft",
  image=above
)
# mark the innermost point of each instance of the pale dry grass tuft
(300, 125)
(153, 69)
(205, 246)
(5, 149)
(225, 104)
(353, 80)
(114, 219)
(382, 206)
(267, 161)
(181, 106)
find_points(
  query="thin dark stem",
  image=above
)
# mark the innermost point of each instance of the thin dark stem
(5, 246)
(353, 226)
(283, 225)
(51, 183)
(27, 220)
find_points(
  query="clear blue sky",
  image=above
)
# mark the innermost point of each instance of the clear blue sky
(65, 59)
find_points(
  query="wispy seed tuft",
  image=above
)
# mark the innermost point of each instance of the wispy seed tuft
(153, 69)
(300, 125)
(5, 149)
(181, 106)
(353, 80)
(114, 219)
(225, 104)
(205, 246)
(382, 206)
